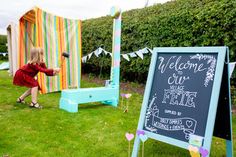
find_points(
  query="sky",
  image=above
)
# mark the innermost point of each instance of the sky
(12, 10)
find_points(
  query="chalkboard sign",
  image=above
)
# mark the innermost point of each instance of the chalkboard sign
(181, 91)
(181, 95)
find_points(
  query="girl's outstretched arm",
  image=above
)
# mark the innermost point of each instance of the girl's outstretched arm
(42, 68)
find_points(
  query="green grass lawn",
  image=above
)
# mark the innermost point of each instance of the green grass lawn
(95, 131)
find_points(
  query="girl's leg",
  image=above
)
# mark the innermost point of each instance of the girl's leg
(34, 94)
(25, 94)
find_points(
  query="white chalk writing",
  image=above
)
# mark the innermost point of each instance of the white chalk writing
(175, 63)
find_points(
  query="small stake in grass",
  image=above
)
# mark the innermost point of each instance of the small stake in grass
(127, 106)
(143, 138)
(129, 137)
(122, 96)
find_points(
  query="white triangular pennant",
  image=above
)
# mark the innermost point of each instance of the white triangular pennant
(106, 52)
(231, 68)
(145, 50)
(84, 59)
(132, 54)
(149, 50)
(98, 51)
(90, 55)
(125, 56)
(140, 54)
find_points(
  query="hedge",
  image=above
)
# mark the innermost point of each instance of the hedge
(3, 41)
(175, 23)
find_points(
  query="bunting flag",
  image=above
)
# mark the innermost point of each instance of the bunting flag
(231, 68)
(147, 50)
(55, 35)
(98, 51)
(132, 54)
(90, 55)
(106, 52)
(126, 57)
(3, 53)
(140, 54)
(84, 59)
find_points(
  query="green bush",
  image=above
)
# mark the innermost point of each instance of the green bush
(3, 58)
(3, 42)
(176, 23)
(233, 95)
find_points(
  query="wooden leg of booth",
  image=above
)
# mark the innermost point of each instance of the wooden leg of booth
(68, 105)
(113, 102)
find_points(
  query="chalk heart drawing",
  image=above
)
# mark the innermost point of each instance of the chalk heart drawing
(143, 138)
(203, 151)
(189, 123)
(129, 137)
(193, 151)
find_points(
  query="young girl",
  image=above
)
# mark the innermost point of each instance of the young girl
(25, 76)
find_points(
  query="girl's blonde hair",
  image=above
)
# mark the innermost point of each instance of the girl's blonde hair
(36, 55)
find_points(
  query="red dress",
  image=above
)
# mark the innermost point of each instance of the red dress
(25, 75)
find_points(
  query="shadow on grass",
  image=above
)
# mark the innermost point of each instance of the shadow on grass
(91, 106)
(15, 106)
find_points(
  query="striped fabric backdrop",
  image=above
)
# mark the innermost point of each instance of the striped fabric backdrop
(55, 35)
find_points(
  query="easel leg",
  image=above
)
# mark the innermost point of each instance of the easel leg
(229, 148)
(136, 147)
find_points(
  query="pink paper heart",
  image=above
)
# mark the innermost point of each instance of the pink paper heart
(129, 137)
(204, 152)
(193, 151)
(122, 94)
(128, 95)
(140, 132)
(192, 148)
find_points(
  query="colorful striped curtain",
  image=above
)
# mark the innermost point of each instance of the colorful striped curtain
(55, 35)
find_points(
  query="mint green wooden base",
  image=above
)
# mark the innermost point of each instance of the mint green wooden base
(70, 99)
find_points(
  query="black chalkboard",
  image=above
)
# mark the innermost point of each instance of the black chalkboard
(180, 94)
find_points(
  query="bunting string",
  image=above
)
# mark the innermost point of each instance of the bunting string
(126, 56)
(140, 53)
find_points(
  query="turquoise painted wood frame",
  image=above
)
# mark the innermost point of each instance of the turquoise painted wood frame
(222, 56)
(109, 95)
